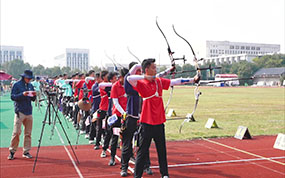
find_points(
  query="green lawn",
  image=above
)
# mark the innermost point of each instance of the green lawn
(262, 110)
(6, 127)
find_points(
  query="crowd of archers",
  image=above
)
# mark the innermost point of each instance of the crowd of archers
(125, 105)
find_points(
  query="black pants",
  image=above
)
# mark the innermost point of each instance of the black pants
(147, 133)
(92, 134)
(99, 130)
(75, 114)
(84, 127)
(127, 146)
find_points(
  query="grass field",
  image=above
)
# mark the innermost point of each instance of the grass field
(262, 110)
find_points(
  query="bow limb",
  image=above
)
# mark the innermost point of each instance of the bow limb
(117, 62)
(115, 66)
(134, 55)
(197, 92)
(170, 53)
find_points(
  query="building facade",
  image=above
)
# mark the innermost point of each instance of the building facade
(9, 53)
(269, 76)
(77, 59)
(226, 51)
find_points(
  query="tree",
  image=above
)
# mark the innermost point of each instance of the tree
(244, 69)
(56, 71)
(39, 70)
(269, 61)
(66, 70)
(16, 67)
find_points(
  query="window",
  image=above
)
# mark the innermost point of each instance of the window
(232, 47)
(19, 53)
(252, 48)
(237, 47)
(242, 47)
(257, 48)
(247, 48)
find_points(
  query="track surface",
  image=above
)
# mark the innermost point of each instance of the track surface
(227, 157)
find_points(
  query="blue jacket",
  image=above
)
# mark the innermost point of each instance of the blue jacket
(96, 97)
(22, 103)
(133, 103)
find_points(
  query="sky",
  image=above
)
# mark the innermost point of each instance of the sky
(45, 28)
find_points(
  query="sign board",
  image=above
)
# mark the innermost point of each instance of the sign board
(280, 142)
(242, 133)
(171, 113)
(211, 123)
(116, 131)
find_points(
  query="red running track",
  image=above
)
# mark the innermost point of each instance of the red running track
(226, 157)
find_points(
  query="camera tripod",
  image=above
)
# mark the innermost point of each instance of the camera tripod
(50, 108)
(55, 99)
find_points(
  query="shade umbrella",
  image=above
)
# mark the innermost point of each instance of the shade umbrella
(4, 76)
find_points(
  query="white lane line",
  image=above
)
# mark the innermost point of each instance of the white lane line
(119, 159)
(69, 155)
(220, 162)
(232, 155)
(243, 151)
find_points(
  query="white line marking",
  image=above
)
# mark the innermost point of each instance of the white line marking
(220, 162)
(229, 154)
(69, 155)
(243, 151)
(119, 159)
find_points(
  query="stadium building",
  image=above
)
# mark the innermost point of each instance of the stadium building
(9, 53)
(77, 59)
(226, 51)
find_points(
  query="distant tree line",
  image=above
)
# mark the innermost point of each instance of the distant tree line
(243, 69)
(16, 67)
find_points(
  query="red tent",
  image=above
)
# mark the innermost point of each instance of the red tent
(4, 76)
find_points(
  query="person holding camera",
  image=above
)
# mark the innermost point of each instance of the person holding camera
(22, 94)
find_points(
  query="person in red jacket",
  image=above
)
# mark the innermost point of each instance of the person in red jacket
(152, 119)
(103, 107)
(119, 100)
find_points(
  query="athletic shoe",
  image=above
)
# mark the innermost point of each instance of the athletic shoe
(112, 162)
(87, 136)
(124, 173)
(91, 141)
(82, 132)
(103, 154)
(148, 171)
(11, 156)
(165, 177)
(96, 147)
(27, 155)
